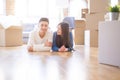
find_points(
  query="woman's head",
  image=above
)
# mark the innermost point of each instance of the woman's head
(63, 31)
(43, 24)
(63, 28)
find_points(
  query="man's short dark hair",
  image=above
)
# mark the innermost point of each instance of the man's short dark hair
(44, 19)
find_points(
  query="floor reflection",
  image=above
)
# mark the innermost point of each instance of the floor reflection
(82, 64)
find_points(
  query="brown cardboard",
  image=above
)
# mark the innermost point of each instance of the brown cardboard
(94, 38)
(12, 36)
(79, 32)
(92, 20)
(98, 6)
(84, 11)
(91, 38)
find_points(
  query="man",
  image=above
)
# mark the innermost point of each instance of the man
(40, 39)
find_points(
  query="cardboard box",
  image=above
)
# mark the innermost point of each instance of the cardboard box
(94, 38)
(98, 5)
(91, 38)
(92, 20)
(11, 36)
(84, 12)
(79, 32)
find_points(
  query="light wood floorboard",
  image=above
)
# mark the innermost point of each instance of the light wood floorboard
(18, 64)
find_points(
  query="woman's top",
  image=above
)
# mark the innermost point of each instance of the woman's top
(55, 47)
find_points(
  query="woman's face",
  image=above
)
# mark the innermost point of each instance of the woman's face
(59, 30)
(43, 25)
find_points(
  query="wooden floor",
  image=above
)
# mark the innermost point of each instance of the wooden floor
(18, 64)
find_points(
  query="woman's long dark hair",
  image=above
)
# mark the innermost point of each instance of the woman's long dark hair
(63, 39)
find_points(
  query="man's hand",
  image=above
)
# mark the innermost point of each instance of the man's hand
(48, 44)
(30, 48)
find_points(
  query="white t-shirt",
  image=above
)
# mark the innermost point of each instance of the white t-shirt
(37, 42)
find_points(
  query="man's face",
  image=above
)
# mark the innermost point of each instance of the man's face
(43, 25)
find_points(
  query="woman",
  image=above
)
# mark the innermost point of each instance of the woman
(62, 39)
(40, 39)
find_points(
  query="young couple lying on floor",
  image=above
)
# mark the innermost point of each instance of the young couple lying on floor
(42, 39)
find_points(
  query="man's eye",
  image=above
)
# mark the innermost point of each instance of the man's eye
(41, 24)
(45, 25)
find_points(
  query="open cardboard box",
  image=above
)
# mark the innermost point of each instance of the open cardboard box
(10, 36)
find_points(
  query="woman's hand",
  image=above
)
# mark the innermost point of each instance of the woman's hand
(63, 49)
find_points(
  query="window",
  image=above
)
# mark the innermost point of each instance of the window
(114, 2)
(32, 10)
(75, 8)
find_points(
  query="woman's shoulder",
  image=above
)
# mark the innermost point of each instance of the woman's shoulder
(55, 33)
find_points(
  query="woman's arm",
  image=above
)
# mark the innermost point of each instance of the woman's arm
(54, 46)
(71, 42)
(70, 45)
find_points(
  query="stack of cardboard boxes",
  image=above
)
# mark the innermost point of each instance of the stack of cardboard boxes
(11, 36)
(79, 32)
(10, 31)
(97, 10)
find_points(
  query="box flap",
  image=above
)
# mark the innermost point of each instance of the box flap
(1, 27)
(11, 27)
(14, 27)
(2, 37)
(8, 21)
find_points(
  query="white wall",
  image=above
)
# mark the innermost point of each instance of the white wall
(2, 7)
(114, 2)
